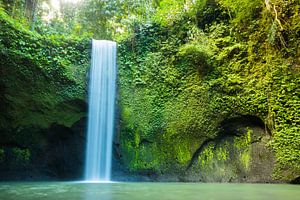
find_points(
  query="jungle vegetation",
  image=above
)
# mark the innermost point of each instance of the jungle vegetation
(185, 66)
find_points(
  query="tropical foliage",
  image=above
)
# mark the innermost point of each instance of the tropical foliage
(185, 66)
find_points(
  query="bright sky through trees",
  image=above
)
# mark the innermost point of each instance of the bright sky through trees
(56, 3)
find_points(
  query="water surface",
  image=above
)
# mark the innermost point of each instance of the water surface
(145, 191)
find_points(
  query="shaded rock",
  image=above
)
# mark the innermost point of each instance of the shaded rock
(296, 180)
(65, 152)
(56, 153)
(238, 154)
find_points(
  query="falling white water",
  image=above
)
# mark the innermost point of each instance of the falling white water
(102, 92)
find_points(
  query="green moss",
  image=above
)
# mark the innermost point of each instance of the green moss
(245, 157)
(206, 157)
(242, 142)
(21, 155)
(143, 157)
(42, 83)
(188, 80)
(42, 77)
(222, 153)
(2, 155)
(183, 153)
(243, 146)
(177, 83)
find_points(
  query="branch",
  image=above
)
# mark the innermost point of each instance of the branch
(276, 18)
(268, 6)
(267, 2)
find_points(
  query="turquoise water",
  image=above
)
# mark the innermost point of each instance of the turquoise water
(146, 191)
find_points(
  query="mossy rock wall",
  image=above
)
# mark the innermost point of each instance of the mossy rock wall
(180, 86)
(239, 153)
(43, 86)
(179, 83)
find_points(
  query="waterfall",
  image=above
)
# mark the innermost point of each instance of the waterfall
(102, 92)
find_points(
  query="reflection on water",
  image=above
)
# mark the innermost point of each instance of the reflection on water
(97, 191)
(145, 191)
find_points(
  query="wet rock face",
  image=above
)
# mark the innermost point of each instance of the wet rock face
(239, 153)
(56, 153)
(64, 153)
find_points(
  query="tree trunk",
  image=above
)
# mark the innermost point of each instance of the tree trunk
(30, 12)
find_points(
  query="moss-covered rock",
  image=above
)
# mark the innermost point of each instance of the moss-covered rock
(239, 153)
(43, 83)
(208, 97)
(179, 83)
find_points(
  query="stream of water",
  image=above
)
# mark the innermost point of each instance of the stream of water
(102, 91)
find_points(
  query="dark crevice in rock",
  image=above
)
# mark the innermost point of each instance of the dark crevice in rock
(235, 124)
(116, 151)
(145, 141)
(255, 141)
(198, 151)
(296, 180)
